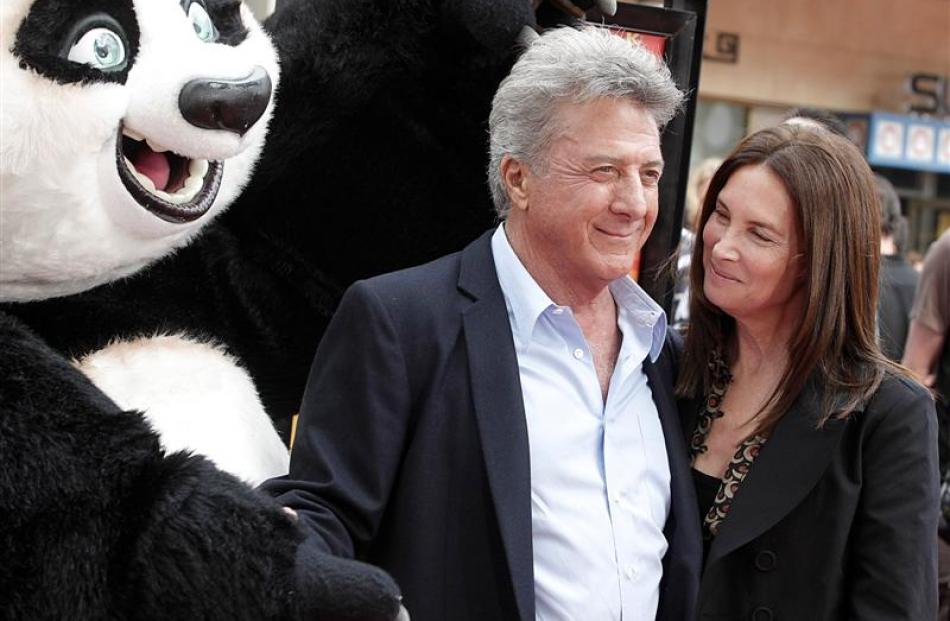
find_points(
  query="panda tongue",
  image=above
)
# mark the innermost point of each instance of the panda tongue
(154, 166)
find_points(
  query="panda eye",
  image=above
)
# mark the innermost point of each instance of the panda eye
(201, 22)
(100, 48)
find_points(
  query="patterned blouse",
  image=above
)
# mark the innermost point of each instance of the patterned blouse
(741, 462)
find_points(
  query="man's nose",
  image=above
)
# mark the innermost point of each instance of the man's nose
(630, 197)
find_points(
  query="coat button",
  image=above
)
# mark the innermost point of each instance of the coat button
(762, 614)
(765, 560)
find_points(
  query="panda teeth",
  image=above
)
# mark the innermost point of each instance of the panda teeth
(155, 147)
(134, 135)
(197, 168)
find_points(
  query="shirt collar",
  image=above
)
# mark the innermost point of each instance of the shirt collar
(526, 300)
(637, 309)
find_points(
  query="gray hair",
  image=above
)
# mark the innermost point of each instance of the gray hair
(567, 65)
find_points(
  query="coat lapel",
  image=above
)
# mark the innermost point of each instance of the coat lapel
(683, 500)
(682, 562)
(499, 410)
(789, 465)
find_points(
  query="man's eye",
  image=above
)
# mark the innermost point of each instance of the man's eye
(99, 48)
(201, 22)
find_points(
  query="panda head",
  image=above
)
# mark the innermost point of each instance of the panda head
(126, 126)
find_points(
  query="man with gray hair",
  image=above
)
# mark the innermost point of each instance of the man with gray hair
(497, 428)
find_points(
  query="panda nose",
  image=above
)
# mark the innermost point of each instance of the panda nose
(232, 105)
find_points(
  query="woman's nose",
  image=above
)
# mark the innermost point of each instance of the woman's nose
(724, 247)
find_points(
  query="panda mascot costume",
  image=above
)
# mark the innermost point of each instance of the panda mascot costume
(126, 124)
(139, 318)
(380, 140)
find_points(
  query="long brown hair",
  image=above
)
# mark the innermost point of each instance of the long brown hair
(838, 217)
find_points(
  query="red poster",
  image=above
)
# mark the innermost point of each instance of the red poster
(654, 43)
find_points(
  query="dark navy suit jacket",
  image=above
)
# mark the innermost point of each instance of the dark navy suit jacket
(412, 448)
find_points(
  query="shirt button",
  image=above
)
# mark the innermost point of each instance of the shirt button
(630, 572)
(579, 353)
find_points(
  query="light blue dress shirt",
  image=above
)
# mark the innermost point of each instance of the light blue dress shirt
(600, 479)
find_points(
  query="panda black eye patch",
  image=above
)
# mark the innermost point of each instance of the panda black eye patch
(52, 27)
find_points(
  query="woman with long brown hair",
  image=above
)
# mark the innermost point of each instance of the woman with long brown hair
(814, 456)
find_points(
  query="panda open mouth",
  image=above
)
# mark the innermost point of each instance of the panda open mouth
(172, 187)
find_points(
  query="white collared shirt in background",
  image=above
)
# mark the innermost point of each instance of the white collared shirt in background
(600, 479)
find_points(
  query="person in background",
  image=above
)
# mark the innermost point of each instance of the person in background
(816, 117)
(695, 191)
(916, 260)
(814, 456)
(497, 428)
(927, 353)
(898, 278)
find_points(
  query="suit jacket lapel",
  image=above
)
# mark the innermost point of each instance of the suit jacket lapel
(682, 562)
(499, 410)
(787, 468)
(683, 500)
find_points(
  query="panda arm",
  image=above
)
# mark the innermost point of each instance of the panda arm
(97, 521)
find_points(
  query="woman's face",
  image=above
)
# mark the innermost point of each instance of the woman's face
(753, 269)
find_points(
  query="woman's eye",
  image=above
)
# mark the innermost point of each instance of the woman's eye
(759, 236)
(201, 22)
(100, 48)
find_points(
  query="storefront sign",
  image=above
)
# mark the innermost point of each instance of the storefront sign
(931, 93)
(725, 47)
(900, 141)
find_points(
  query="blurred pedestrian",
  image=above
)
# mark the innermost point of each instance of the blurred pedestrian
(696, 188)
(816, 117)
(916, 260)
(898, 278)
(927, 353)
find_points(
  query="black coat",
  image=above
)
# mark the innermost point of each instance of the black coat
(837, 523)
(412, 451)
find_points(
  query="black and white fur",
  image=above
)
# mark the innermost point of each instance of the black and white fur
(104, 278)
(70, 222)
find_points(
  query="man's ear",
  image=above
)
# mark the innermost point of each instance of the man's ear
(514, 174)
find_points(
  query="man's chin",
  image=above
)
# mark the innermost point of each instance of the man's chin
(617, 267)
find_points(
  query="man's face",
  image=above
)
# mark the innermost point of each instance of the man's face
(586, 210)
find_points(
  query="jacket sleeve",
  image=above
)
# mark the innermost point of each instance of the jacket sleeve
(892, 571)
(352, 427)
